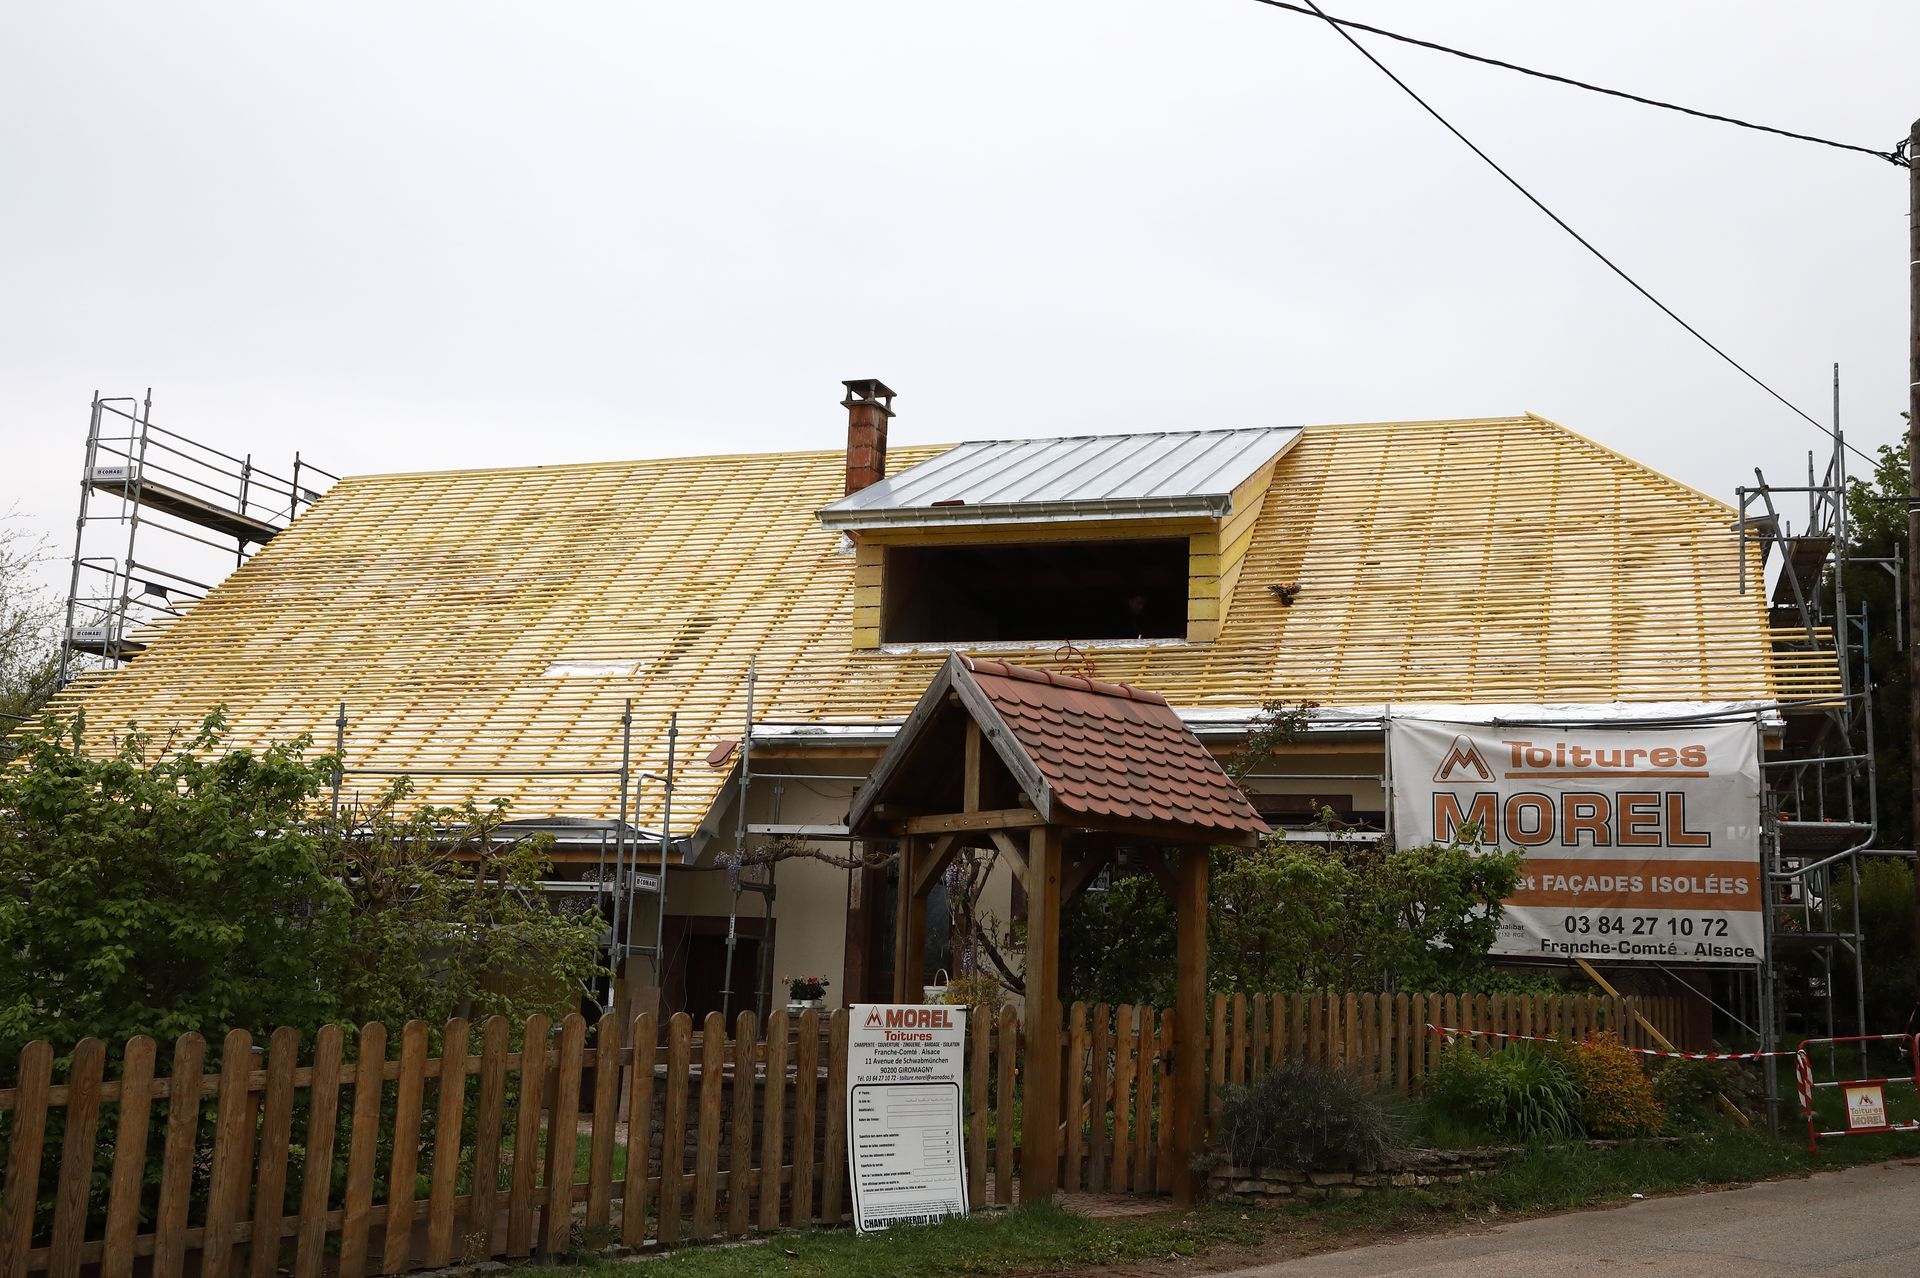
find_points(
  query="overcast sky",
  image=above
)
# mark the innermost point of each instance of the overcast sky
(429, 236)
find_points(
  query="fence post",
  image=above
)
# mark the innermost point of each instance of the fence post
(746, 1035)
(488, 1117)
(408, 1103)
(773, 1117)
(633, 1198)
(129, 1157)
(74, 1183)
(836, 1152)
(806, 1090)
(232, 1155)
(276, 1133)
(23, 1158)
(450, 1097)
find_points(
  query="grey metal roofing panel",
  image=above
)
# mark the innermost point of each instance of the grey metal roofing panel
(1166, 473)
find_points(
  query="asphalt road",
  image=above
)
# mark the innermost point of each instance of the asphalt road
(1863, 1222)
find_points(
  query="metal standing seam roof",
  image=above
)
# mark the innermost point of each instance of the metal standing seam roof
(1164, 473)
(1112, 752)
(502, 618)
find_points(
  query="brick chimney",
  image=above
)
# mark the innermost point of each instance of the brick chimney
(869, 403)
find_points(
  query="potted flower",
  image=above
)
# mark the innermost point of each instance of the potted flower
(805, 992)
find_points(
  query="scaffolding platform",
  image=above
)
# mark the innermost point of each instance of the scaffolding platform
(1823, 838)
(1804, 561)
(123, 481)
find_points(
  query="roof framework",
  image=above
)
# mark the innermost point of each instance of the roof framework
(500, 619)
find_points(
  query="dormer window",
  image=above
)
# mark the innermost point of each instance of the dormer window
(1050, 541)
(1038, 592)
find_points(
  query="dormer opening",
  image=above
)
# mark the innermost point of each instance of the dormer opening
(1037, 592)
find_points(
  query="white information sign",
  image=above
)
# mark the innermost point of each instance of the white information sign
(905, 1066)
(1642, 844)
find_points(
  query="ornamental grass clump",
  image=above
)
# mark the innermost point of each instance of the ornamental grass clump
(1516, 1093)
(1617, 1097)
(1305, 1117)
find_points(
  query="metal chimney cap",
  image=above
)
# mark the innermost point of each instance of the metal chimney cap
(868, 388)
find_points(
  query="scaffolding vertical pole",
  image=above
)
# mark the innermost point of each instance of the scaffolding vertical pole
(1768, 1010)
(79, 541)
(666, 840)
(1913, 513)
(339, 760)
(123, 602)
(739, 848)
(626, 868)
(616, 948)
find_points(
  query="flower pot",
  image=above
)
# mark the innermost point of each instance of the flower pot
(797, 1005)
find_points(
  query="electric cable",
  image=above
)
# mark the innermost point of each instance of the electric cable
(1582, 240)
(1896, 156)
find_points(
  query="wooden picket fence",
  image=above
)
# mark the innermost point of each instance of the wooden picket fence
(1384, 1037)
(316, 1160)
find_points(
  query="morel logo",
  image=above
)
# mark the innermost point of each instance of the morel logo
(1463, 756)
(874, 1018)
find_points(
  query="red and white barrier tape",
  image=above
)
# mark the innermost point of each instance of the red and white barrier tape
(1448, 1030)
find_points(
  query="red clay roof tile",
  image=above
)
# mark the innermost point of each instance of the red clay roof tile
(1106, 749)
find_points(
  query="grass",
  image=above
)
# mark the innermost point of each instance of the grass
(1045, 1238)
(1035, 1238)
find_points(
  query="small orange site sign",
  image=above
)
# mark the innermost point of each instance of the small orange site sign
(1866, 1107)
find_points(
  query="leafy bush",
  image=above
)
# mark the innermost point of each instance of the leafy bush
(1686, 1090)
(1347, 915)
(1307, 1117)
(1616, 1094)
(1519, 1092)
(167, 886)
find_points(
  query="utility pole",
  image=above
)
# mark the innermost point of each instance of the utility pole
(1913, 514)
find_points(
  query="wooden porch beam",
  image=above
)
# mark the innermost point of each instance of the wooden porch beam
(1015, 854)
(932, 864)
(992, 819)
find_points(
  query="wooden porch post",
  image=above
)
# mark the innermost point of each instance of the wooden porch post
(910, 926)
(1040, 1135)
(1190, 1023)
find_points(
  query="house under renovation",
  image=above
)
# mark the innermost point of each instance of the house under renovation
(666, 664)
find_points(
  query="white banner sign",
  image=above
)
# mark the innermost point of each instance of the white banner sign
(905, 1066)
(1642, 844)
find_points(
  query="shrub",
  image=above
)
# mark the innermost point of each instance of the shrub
(1686, 1090)
(1616, 1095)
(1519, 1092)
(1307, 1117)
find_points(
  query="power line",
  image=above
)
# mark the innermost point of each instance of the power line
(1583, 241)
(1895, 156)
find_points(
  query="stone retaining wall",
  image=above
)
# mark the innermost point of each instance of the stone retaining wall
(1412, 1169)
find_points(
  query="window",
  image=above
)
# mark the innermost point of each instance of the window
(1046, 591)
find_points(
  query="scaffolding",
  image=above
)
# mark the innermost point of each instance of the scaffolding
(1820, 813)
(159, 513)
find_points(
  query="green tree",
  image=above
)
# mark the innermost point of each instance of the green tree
(162, 888)
(180, 885)
(1878, 510)
(1349, 915)
(28, 661)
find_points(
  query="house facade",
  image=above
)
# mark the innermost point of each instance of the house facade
(755, 628)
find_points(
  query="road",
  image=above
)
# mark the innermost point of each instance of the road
(1862, 1223)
